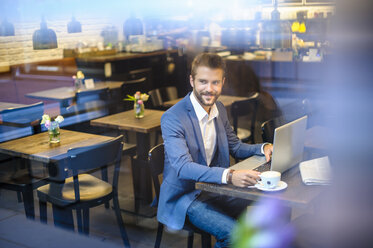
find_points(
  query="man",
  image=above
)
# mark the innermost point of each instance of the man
(198, 139)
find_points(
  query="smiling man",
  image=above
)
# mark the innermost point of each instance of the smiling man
(198, 139)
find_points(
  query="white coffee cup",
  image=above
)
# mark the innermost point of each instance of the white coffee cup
(270, 179)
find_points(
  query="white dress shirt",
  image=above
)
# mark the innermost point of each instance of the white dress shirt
(208, 131)
(207, 126)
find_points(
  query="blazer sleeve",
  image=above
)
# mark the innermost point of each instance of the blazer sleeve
(237, 148)
(178, 154)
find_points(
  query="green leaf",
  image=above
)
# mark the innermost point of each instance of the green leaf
(129, 98)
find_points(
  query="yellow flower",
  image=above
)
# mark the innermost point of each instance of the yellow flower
(80, 75)
(144, 97)
(45, 118)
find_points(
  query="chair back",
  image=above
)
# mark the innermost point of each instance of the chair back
(246, 107)
(240, 78)
(82, 159)
(268, 128)
(171, 93)
(160, 95)
(95, 156)
(156, 164)
(156, 97)
(23, 116)
(138, 80)
(268, 107)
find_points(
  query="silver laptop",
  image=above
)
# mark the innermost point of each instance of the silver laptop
(288, 146)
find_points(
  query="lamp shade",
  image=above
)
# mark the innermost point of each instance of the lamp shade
(132, 26)
(74, 26)
(6, 29)
(44, 38)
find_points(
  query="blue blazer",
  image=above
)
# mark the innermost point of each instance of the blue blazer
(185, 159)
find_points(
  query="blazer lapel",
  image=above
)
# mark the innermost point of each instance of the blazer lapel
(196, 128)
(222, 141)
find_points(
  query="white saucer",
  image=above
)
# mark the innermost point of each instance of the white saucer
(280, 186)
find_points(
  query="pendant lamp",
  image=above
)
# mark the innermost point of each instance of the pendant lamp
(74, 26)
(44, 38)
(6, 28)
(132, 26)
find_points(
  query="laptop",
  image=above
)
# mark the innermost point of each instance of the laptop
(288, 146)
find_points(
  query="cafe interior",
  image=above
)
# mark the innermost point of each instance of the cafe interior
(84, 84)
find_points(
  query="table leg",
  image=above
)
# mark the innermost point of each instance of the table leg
(141, 177)
(28, 202)
(141, 172)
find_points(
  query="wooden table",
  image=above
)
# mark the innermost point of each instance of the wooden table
(226, 100)
(143, 127)
(65, 95)
(8, 105)
(37, 148)
(296, 194)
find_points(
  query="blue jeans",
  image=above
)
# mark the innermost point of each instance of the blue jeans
(216, 214)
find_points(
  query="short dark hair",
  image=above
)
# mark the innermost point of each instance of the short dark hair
(209, 60)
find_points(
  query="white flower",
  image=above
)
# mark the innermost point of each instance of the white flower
(59, 119)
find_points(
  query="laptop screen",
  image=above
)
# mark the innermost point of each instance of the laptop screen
(288, 145)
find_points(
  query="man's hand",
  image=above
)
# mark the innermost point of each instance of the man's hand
(244, 178)
(268, 149)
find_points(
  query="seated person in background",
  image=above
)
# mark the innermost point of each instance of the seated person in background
(198, 140)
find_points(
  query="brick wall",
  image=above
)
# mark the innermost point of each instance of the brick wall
(18, 49)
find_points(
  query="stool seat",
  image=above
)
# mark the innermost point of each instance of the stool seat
(90, 188)
(243, 134)
(129, 149)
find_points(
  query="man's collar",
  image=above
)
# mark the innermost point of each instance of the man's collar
(200, 111)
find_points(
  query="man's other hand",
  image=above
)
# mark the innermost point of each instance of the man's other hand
(268, 149)
(244, 178)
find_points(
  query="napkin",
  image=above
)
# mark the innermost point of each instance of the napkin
(316, 171)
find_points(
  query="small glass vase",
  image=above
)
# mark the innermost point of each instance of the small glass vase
(54, 133)
(78, 84)
(139, 110)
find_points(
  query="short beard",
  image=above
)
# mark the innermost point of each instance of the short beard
(200, 99)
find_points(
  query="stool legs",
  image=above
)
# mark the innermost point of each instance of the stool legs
(120, 221)
(159, 235)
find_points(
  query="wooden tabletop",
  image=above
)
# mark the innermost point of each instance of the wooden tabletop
(123, 56)
(127, 121)
(226, 100)
(37, 147)
(295, 195)
(8, 105)
(68, 93)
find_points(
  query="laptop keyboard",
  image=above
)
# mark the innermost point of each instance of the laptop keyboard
(263, 167)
